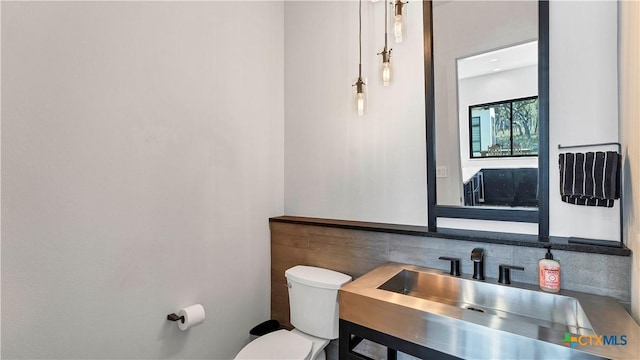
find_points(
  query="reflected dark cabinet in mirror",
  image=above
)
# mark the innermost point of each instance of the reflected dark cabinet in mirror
(503, 187)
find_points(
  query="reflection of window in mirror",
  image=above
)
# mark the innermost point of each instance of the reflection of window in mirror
(497, 93)
(504, 129)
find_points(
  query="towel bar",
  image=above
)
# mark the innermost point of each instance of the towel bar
(588, 241)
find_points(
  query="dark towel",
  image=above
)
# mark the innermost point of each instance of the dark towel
(587, 200)
(591, 178)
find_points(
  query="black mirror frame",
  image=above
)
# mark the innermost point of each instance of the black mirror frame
(541, 215)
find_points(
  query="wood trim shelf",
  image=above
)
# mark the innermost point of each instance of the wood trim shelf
(557, 243)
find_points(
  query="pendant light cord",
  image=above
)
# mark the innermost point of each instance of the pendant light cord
(385, 25)
(360, 38)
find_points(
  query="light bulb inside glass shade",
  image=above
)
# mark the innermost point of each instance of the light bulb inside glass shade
(360, 103)
(386, 73)
(398, 28)
(360, 96)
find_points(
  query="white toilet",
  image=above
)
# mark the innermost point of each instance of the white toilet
(313, 302)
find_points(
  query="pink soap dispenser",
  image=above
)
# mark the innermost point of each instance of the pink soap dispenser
(549, 273)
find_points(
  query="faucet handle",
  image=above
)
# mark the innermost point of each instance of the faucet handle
(455, 265)
(504, 273)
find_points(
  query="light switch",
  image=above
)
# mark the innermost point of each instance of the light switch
(441, 171)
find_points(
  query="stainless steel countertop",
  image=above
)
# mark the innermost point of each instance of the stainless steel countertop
(468, 334)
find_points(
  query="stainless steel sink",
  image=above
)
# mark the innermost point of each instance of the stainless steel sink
(470, 318)
(552, 311)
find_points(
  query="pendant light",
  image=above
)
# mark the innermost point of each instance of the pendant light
(385, 68)
(398, 20)
(360, 86)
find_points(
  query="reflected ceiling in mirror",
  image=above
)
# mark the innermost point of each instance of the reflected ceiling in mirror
(485, 80)
(491, 62)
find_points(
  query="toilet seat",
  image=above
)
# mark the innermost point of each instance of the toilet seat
(317, 349)
(278, 345)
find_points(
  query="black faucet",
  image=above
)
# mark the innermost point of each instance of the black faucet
(455, 265)
(477, 256)
(504, 273)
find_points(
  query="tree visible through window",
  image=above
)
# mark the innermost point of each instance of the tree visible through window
(476, 144)
(504, 128)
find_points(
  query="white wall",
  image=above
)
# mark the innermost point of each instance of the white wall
(629, 30)
(338, 165)
(142, 154)
(583, 104)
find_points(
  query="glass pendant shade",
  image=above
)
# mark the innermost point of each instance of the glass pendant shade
(398, 21)
(386, 73)
(398, 28)
(360, 97)
(385, 66)
(361, 100)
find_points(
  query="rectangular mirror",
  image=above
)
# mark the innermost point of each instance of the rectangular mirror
(486, 70)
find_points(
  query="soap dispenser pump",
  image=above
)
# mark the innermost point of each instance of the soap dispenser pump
(549, 273)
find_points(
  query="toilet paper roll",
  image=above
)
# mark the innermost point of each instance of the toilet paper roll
(193, 315)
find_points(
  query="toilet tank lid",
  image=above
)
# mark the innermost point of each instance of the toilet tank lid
(318, 277)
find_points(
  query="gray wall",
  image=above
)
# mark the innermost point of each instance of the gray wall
(142, 154)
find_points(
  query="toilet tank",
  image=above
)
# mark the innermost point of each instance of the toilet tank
(313, 299)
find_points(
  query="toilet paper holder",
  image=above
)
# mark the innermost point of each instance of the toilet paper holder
(189, 316)
(175, 317)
